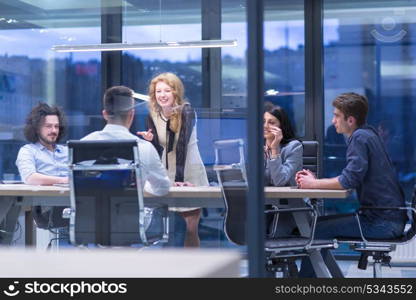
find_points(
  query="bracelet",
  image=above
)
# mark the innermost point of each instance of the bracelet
(274, 156)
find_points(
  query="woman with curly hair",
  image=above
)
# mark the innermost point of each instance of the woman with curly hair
(171, 129)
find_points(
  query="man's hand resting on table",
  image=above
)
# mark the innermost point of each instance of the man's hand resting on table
(305, 179)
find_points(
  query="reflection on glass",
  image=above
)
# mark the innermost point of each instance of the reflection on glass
(30, 72)
(148, 23)
(369, 49)
(283, 59)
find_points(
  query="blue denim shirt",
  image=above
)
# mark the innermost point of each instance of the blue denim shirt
(370, 171)
(36, 158)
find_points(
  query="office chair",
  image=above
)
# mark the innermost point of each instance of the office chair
(310, 161)
(311, 156)
(51, 219)
(106, 194)
(377, 248)
(280, 252)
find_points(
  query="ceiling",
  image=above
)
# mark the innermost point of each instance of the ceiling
(17, 14)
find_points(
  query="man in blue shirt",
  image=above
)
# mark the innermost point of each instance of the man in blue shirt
(43, 161)
(369, 170)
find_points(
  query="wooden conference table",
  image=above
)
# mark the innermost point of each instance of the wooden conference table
(15, 196)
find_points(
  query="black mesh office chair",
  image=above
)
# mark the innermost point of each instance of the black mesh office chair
(106, 194)
(280, 252)
(49, 218)
(311, 156)
(380, 249)
(310, 161)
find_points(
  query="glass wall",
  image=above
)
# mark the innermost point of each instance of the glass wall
(146, 22)
(220, 73)
(162, 21)
(73, 80)
(31, 72)
(284, 59)
(370, 49)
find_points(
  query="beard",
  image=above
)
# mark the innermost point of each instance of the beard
(48, 140)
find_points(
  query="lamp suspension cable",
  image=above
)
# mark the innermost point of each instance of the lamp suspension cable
(160, 21)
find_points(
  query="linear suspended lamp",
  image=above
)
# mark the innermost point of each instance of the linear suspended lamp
(141, 96)
(145, 46)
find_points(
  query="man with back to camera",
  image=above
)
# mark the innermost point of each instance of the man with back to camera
(369, 170)
(118, 104)
(43, 161)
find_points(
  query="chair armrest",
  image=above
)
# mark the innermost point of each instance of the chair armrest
(310, 208)
(407, 208)
(383, 208)
(287, 210)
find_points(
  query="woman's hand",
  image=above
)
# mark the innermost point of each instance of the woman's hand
(274, 144)
(147, 135)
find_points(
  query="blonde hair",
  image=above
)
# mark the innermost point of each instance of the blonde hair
(178, 92)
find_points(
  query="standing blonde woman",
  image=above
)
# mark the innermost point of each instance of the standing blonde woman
(171, 129)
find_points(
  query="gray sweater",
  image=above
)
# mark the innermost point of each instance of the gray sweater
(281, 171)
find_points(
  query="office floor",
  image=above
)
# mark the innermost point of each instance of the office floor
(350, 270)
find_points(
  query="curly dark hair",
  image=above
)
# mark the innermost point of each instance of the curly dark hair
(36, 117)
